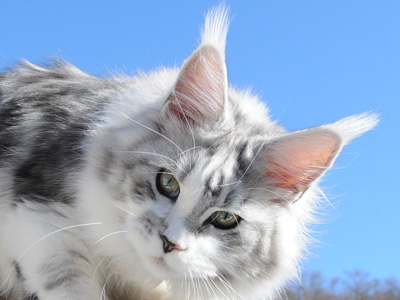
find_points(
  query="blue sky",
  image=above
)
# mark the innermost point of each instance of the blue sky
(313, 62)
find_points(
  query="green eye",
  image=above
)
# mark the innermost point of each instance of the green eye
(225, 220)
(167, 184)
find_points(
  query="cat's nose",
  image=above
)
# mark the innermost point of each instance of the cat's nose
(168, 246)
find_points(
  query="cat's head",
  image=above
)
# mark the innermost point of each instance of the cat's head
(212, 196)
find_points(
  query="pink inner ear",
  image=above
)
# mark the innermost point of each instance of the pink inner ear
(199, 93)
(296, 161)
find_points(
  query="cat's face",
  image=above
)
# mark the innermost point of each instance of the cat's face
(206, 187)
(199, 210)
(210, 195)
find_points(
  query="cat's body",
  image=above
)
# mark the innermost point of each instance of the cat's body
(88, 205)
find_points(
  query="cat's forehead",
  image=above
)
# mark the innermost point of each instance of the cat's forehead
(212, 171)
(206, 158)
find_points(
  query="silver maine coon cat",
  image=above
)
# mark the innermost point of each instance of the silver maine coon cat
(168, 185)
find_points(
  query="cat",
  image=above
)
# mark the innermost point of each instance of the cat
(167, 185)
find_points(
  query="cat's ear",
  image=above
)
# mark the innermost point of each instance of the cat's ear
(200, 92)
(295, 161)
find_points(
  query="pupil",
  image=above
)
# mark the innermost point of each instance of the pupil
(227, 217)
(167, 183)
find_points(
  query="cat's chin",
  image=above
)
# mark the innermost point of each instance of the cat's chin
(162, 270)
(158, 267)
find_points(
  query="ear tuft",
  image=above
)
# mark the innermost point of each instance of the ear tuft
(352, 127)
(216, 28)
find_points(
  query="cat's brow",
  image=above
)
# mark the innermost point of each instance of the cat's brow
(152, 130)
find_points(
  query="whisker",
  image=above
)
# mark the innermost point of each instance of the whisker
(95, 270)
(229, 262)
(200, 156)
(269, 191)
(147, 153)
(108, 235)
(42, 270)
(228, 286)
(216, 285)
(125, 210)
(152, 130)
(46, 236)
(326, 198)
(189, 149)
(252, 161)
(211, 281)
(110, 273)
(230, 183)
(189, 125)
(181, 285)
(206, 285)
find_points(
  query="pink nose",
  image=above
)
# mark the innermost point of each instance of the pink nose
(168, 246)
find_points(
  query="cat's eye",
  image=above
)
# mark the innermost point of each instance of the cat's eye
(167, 184)
(225, 219)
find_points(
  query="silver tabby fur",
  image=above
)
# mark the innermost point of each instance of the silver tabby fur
(80, 212)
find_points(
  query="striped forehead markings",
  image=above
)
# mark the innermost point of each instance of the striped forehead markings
(214, 190)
